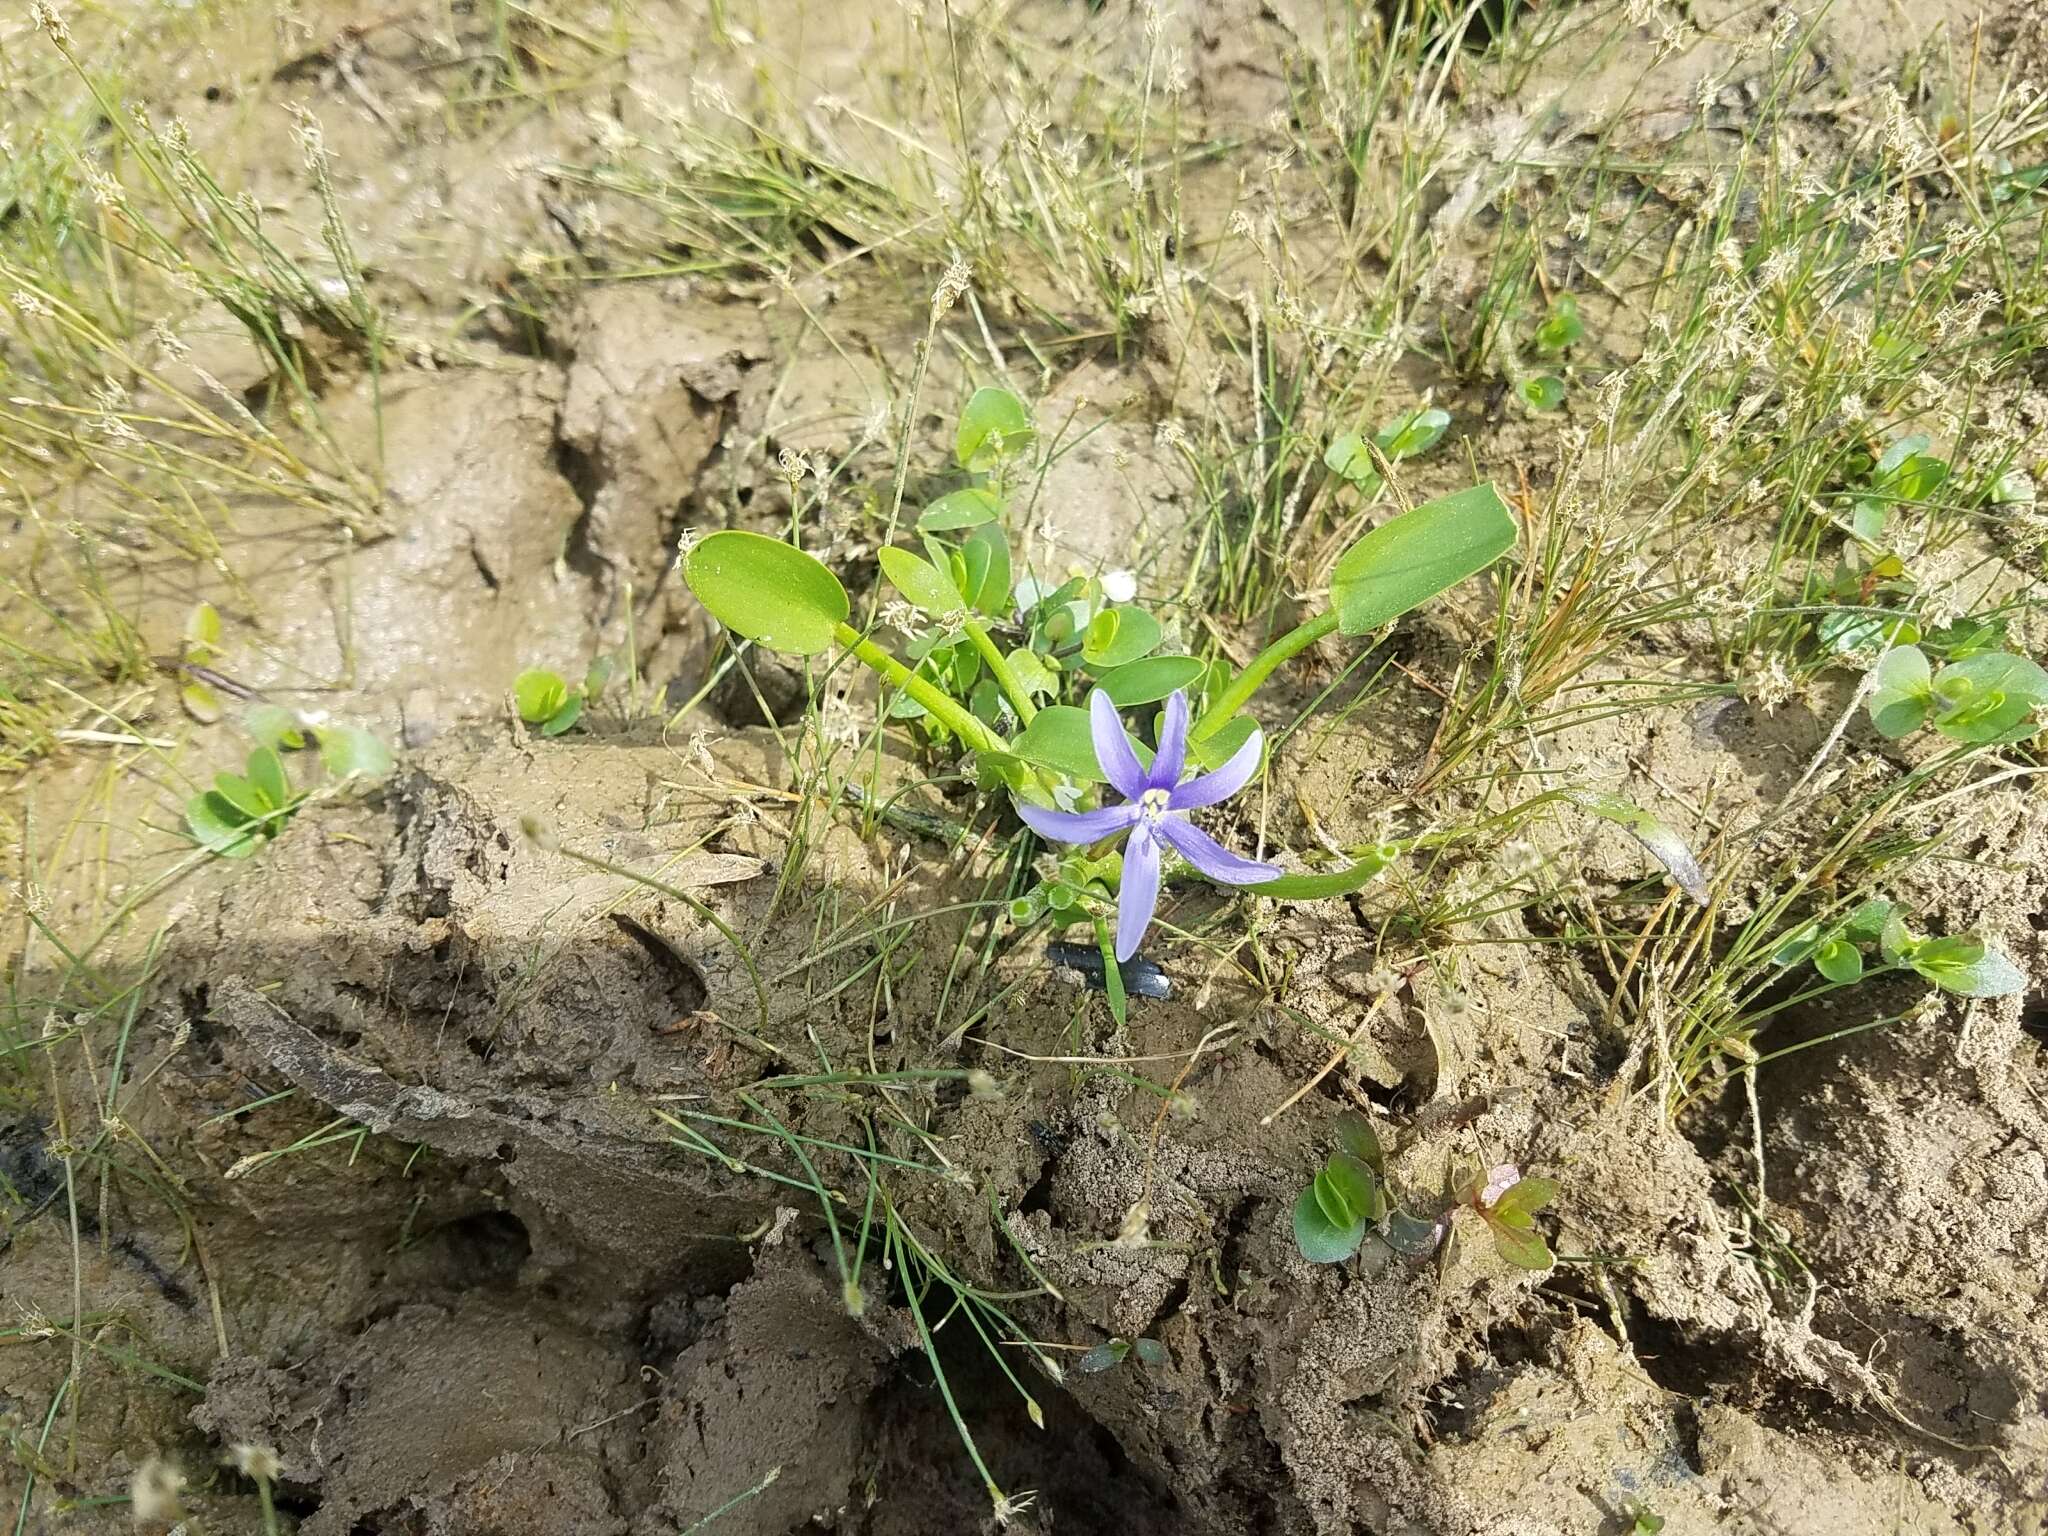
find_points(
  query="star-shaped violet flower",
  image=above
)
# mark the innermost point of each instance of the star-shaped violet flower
(1154, 812)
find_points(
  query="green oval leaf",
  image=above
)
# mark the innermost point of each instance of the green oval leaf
(1523, 1249)
(1561, 327)
(202, 627)
(1903, 694)
(1059, 738)
(200, 702)
(350, 752)
(1983, 698)
(986, 555)
(539, 693)
(560, 721)
(1132, 633)
(1413, 434)
(1966, 967)
(765, 590)
(1526, 1196)
(1321, 1240)
(219, 826)
(1347, 458)
(1411, 558)
(241, 794)
(1149, 680)
(1356, 1135)
(266, 772)
(1839, 961)
(994, 426)
(928, 589)
(960, 509)
(1541, 392)
(1353, 1182)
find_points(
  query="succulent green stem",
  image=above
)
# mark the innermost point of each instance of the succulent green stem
(1261, 667)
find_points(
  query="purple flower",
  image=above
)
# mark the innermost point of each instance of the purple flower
(1155, 811)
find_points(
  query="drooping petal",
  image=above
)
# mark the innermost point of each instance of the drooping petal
(1113, 752)
(1078, 826)
(1138, 897)
(1215, 788)
(1211, 857)
(1172, 756)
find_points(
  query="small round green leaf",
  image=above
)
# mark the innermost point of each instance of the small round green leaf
(266, 772)
(539, 693)
(765, 590)
(1347, 458)
(1840, 961)
(1561, 327)
(560, 721)
(350, 752)
(994, 426)
(1321, 1240)
(1413, 434)
(219, 826)
(200, 702)
(1130, 634)
(1541, 391)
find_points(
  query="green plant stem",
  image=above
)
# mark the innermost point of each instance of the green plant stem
(1261, 667)
(1013, 690)
(934, 699)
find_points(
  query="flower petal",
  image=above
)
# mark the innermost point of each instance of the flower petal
(1138, 896)
(1113, 754)
(1210, 857)
(1215, 788)
(1172, 756)
(1078, 826)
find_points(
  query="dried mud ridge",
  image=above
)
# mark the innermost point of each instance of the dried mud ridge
(544, 1318)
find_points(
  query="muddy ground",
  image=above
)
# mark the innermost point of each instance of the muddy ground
(521, 1304)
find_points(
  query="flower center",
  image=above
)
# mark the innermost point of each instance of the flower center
(1154, 804)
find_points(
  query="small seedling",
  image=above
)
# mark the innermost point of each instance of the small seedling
(202, 637)
(1541, 392)
(1508, 1204)
(546, 700)
(1988, 698)
(241, 809)
(1642, 1520)
(1962, 964)
(1904, 475)
(1405, 437)
(1347, 1199)
(1561, 328)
